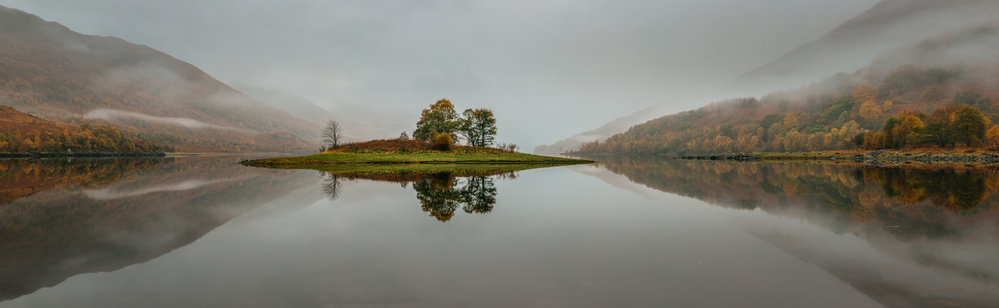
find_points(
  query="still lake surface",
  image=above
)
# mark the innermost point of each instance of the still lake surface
(627, 232)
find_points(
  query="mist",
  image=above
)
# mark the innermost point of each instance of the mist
(113, 115)
(547, 69)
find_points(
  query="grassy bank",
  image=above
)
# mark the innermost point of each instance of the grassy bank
(413, 156)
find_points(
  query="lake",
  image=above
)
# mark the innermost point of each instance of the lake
(205, 231)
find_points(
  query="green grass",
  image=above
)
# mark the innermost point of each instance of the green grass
(395, 158)
(426, 162)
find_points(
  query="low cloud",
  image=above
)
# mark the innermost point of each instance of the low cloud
(113, 115)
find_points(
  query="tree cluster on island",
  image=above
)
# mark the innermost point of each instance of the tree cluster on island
(440, 123)
(440, 126)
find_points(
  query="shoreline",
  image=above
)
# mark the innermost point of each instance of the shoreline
(93, 155)
(957, 156)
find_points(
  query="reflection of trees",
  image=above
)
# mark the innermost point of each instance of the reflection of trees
(479, 195)
(440, 195)
(956, 190)
(331, 184)
(21, 177)
(914, 202)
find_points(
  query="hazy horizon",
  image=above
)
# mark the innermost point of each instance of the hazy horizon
(572, 66)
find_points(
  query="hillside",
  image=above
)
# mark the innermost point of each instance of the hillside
(889, 25)
(875, 103)
(21, 133)
(48, 70)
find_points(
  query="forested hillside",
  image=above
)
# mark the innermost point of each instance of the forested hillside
(22, 133)
(941, 92)
(888, 25)
(55, 73)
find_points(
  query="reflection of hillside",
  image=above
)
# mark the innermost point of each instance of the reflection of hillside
(939, 219)
(911, 202)
(120, 216)
(23, 177)
(441, 194)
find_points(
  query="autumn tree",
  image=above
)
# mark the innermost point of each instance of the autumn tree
(992, 136)
(438, 118)
(970, 125)
(938, 127)
(479, 127)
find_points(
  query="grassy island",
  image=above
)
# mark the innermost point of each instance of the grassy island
(412, 156)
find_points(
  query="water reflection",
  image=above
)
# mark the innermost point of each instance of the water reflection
(63, 217)
(440, 194)
(943, 219)
(909, 202)
(900, 237)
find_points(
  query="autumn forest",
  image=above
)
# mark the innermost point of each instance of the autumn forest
(929, 102)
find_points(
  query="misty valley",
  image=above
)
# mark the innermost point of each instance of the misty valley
(586, 153)
(631, 231)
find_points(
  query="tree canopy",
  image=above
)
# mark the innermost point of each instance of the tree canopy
(439, 118)
(476, 126)
(479, 127)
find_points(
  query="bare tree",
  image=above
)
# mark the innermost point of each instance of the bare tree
(332, 134)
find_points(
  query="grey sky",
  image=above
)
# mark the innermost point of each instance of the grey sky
(548, 69)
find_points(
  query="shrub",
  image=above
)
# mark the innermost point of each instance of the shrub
(442, 142)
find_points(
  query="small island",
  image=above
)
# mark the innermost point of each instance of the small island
(431, 151)
(414, 156)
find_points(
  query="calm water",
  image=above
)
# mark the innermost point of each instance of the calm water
(629, 232)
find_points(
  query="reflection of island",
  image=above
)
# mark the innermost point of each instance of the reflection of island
(67, 217)
(941, 219)
(441, 194)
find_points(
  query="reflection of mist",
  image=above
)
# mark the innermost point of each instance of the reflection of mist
(118, 193)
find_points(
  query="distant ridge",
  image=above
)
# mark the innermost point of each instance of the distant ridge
(51, 71)
(888, 25)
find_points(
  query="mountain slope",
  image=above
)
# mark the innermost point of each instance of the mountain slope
(48, 70)
(888, 25)
(890, 104)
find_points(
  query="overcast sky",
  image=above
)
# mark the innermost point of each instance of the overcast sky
(548, 69)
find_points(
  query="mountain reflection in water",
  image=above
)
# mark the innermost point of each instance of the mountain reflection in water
(63, 217)
(205, 231)
(941, 218)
